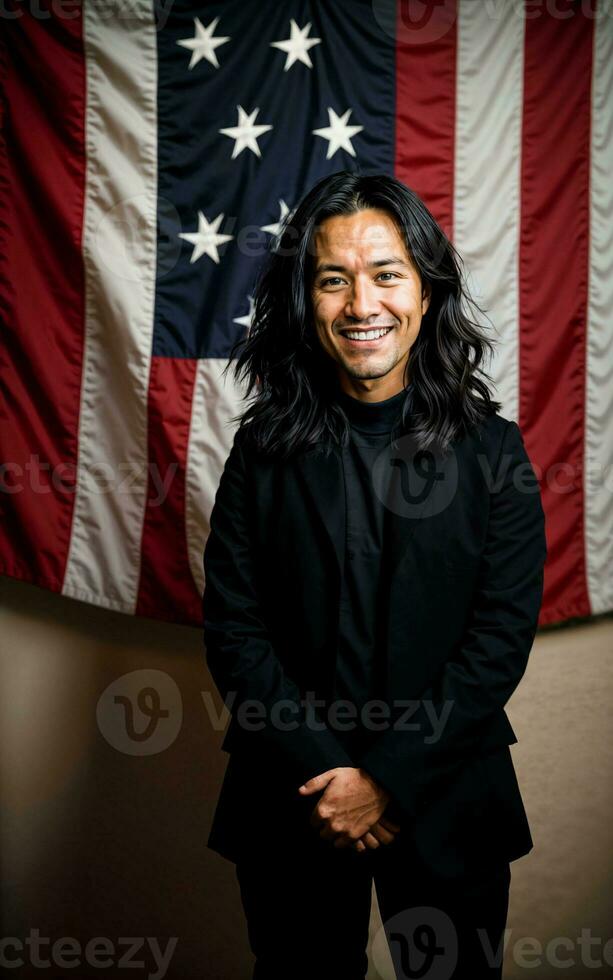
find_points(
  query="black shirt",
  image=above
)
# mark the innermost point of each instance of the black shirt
(359, 665)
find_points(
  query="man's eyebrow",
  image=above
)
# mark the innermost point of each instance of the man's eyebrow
(392, 260)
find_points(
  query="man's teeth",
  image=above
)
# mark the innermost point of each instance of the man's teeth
(366, 334)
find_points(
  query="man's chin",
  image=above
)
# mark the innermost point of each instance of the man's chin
(366, 372)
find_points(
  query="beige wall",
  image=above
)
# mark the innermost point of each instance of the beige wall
(96, 842)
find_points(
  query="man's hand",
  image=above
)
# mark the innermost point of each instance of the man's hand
(349, 812)
(382, 832)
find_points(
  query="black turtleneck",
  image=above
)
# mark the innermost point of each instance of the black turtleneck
(359, 667)
(372, 417)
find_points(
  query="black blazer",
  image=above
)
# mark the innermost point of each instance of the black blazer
(462, 586)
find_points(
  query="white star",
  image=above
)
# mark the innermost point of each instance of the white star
(245, 133)
(247, 320)
(206, 239)
(297, 45)
(203, 44)
(338, 133)
(275, 229)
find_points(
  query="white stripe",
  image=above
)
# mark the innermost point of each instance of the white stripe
(119, 248)
(217, 399)
(598, 484)
(489, 94)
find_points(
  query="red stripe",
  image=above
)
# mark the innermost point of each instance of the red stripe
(426, 40)
(42, 185)
(554, 251)
(167, 589)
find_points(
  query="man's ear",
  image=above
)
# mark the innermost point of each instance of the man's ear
(426, 296)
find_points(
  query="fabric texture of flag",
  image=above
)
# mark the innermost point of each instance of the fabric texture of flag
(150, 153)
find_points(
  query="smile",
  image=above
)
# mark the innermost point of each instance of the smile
(371, 338)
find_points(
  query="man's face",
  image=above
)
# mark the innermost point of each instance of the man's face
(364, 279)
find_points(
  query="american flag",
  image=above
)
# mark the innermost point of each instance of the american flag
(150, 153)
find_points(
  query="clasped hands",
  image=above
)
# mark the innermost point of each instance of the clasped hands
(350, 812)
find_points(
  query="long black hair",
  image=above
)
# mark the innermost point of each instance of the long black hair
(296, 381)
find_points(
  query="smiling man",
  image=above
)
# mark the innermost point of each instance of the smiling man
(368, 302)
(373, 578)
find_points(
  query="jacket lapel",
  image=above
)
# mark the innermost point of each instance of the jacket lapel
(322, 482)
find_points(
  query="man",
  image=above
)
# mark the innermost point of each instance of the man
(374, 574)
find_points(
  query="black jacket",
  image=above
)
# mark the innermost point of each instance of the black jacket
(465, 550)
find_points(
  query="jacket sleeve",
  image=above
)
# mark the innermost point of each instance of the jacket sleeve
(239, 651)
(479, 679)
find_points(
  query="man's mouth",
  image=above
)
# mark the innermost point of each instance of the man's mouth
(370, 337)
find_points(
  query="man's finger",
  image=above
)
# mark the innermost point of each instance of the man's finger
(382, 835)
(389, 825)
(316, 783)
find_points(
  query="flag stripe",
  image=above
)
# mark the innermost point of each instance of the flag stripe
(553, 288)
(41, 289)
(425, 105)
(487, 179)
(166, 588)
(599, 365)
(217, 399)
(120, 263)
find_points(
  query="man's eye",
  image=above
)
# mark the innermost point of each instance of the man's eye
(332, 279)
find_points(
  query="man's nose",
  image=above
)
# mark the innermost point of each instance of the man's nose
(362, 301)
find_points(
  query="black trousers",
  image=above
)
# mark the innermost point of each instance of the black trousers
(307, 906)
